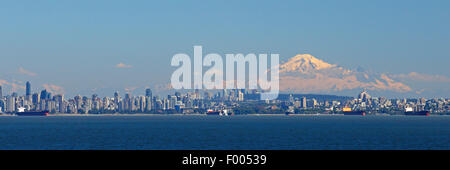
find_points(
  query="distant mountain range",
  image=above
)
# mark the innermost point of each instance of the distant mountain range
(305, 73)
(318, 97)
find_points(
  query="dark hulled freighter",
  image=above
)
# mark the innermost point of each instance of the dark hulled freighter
(349, 111)
(420, 113)
(32, 113)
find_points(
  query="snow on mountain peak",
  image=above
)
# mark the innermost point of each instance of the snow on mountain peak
(304, 63)
(318, 76)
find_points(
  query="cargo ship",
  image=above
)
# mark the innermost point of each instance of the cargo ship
(33, 113)
(349, 111)
(217, 113)
(421, 113)
(213, 113)
(410, 112)
(360, 113)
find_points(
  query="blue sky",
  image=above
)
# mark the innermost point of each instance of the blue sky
(76, 44)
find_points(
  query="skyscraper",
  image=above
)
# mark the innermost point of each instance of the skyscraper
(148, 93)
(36, 99)
(10, 104)
(291, 98)
(127, 102)
(60, 100)
(28, 91)
(117, 98)
(44, 94)
(148, 103)
(304, 102)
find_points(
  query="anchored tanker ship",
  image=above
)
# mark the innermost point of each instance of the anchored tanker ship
(32, 113)
(217, 112)
(421, 113)
(349, 111)
(409, 112)
(360, 113)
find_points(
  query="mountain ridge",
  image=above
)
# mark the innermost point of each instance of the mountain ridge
(306, 73)
(304, 63)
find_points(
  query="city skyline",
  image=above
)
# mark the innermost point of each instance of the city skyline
(223, 102)
(147, 91)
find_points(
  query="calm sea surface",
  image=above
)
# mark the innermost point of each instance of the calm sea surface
(238, 132)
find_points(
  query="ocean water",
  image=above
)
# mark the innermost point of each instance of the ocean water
(228, 133)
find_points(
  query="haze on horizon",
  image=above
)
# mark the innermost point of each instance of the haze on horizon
(85, 47)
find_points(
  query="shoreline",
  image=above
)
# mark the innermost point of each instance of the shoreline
(157, 114)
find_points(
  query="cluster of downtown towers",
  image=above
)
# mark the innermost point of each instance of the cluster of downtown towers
(194, 102)
(45, 101)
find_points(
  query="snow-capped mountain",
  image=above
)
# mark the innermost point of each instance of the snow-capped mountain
(304, 63)
(307, 74)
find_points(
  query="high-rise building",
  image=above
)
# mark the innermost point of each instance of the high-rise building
(2, 105)
(173, 101)
(148, 93)
(95, 97)
(44, 94)
(148, 104)
(224, 94)
(60, 99)
(78, 102)
(304, 102)
(10, 104)
(35, 99)
(291, 98)
(240, 96)
(28, 88)
(142, 103)
(117, 98)
(314, 102)
(127, 102)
